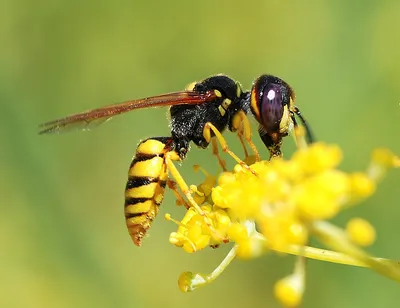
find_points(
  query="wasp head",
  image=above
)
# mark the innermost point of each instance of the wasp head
(270, 102)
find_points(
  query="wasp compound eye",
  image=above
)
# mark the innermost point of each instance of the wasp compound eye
(269, 96)
(271, 107)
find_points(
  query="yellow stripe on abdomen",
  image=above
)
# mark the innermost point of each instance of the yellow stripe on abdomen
(147, 178)
(147, 168)
(144, 191)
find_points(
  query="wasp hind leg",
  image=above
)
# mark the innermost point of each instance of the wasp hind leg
(179, 199)
(180, 182)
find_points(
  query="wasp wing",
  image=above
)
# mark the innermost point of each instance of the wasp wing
(86, 119)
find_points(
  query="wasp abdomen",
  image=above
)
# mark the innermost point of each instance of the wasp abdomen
(145, 188)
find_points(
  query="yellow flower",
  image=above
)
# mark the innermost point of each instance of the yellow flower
(289, 290)
(278, 205)
(361, 232)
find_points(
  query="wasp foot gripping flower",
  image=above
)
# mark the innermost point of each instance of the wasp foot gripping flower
(277, 206)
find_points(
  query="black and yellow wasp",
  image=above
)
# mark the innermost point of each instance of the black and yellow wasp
(197, 114)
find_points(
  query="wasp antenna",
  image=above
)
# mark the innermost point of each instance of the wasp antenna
(309, 135)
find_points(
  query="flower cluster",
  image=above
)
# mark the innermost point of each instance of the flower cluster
(278, 205)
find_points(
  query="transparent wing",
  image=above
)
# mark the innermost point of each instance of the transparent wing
(88, 119)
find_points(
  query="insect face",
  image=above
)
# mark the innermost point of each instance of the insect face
(272, 104)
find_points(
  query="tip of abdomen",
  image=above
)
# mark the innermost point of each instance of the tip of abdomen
(137, 233)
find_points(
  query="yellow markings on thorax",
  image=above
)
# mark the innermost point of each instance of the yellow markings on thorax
(224, 106)
(217, 93)
(238, 89)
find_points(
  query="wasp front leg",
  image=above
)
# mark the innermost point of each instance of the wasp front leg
(208, 128)
(241, 124)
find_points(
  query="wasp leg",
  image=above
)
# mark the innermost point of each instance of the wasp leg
(208, 128)
(240, 136)
(186, 191)
(241, 123)
(179, 199)
(215, 151)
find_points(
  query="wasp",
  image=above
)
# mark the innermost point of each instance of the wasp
(197, 114)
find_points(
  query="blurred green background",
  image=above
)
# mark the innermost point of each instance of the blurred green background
(62, 233)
